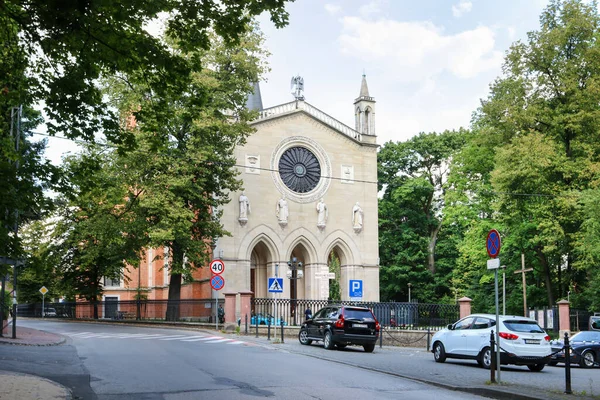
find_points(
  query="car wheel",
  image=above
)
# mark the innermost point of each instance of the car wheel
(341, 345)
(303, 337)
(587, 359)
(439, 354)
(485, 358)
(536, 367)
(369, 347)
(328, 341)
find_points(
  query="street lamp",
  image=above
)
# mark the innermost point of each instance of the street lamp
(294, 271)
(409, 285)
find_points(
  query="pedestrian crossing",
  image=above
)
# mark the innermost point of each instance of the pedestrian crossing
(209, 339)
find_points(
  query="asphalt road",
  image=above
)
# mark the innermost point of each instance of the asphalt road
(129, 362)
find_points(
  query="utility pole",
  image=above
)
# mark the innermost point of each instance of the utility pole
(522, 272)
(16, 114)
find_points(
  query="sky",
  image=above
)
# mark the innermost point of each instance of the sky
(428, 63)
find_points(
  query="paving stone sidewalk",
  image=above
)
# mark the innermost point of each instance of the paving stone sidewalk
(17, 386)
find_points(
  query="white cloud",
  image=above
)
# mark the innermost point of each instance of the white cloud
(372, 8)
(464, 6)
(332, 8)
(415, 51)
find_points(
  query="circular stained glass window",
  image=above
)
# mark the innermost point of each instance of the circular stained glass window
(299, 169)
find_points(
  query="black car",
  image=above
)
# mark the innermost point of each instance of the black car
(585, 351)
(340, 325)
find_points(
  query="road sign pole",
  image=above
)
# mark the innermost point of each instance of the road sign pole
(43, 309)
(497, 326)
(217, 309)
(276, 276)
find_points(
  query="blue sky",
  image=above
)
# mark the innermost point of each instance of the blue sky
(428, 63)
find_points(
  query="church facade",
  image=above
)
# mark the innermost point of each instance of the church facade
(309, 191)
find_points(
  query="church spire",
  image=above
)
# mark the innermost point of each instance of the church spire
(364, 110)
(254, 101)
(364, 89)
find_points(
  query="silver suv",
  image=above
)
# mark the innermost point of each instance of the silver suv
(522, 341)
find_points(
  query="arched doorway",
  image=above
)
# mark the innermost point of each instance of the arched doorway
(259, 260)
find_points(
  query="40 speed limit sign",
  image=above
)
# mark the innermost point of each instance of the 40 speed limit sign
(217, 266)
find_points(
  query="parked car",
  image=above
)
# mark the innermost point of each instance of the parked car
(522, 341)
(585, 351)
(340, 325)
(50, 312)
(262, 319)
(595, 322)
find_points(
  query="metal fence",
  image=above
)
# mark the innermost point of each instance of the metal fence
(393, 315)
(263, 311)
(546, 317)
(187, 310)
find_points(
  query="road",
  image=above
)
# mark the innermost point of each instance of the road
(129, 362)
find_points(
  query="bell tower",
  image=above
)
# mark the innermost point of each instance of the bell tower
(364, 110)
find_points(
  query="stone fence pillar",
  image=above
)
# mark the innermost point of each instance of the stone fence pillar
(245, 306)
(230, 300)
(564, 318)
(464, 306)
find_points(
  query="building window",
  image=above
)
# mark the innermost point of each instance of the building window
(110, 282)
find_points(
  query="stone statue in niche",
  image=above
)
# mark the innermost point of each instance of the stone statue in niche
(244, 208)
(357, 217)
(322, 214)
(282, 210)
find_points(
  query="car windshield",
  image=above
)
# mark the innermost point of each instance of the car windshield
(586, 337)
(357, 313)
(523, 326)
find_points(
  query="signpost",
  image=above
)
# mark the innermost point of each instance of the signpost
(492, 245)
(217, 282)
(356, 289)
(43, 291)
(217, 266)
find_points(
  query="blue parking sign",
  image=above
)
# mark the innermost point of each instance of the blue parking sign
(356, 288)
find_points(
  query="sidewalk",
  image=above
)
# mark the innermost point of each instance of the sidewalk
(16, 386)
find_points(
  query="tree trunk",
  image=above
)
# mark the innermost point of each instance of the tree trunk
(175, 285)
(547, 280)
(174, 298)
(431, 248)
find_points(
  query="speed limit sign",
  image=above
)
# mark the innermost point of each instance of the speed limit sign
(217, 266)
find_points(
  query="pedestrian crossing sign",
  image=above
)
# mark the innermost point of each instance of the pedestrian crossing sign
(275, 285)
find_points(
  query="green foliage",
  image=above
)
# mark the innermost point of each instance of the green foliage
(335, 291)
(413, 244)
(70, 46)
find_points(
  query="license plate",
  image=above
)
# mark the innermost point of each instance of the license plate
(360, 326)
(532, 341)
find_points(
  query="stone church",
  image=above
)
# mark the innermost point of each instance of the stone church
(309, 190)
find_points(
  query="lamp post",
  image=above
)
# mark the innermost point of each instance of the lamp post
(409, 285)
(293, 273)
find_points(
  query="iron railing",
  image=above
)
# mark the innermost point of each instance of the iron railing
(263, 311)
(202, 310)
(393, 315)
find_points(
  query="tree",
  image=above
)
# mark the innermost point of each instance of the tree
(23, 172)
(96, 233)
(413, 175)
(335, 292)
(540, 125)
(71, 45)
(182, 165)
